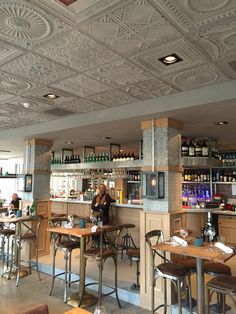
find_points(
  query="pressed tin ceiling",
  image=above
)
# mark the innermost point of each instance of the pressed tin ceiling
(104, 54)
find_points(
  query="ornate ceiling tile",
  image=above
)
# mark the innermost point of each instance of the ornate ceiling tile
(9, 109)
(77, 51)
(196, 77)
(120, 73)
(7, 122)
(31, 105)
(131, 28)
(81, 105)
(37, 69)
(191, 14)
(149, 89)
(81, 85)
(27, 25)
(219, 40)
(8, 52)
(189, 53)
(113, 98)
(28, 118)
(14, 85)
(4, 96)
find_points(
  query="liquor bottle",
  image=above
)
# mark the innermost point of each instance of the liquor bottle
(184, 148)
(197, 149)
(191, 150)
(132, 157)
(33, 208)
(205, 149)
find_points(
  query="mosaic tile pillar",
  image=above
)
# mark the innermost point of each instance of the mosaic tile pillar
(37, 161)
(161, 152)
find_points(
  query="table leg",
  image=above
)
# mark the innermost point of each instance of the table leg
(82, 298)
(200, 287)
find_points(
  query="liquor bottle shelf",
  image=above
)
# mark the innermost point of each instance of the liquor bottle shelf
(200, 162)
(196, 182)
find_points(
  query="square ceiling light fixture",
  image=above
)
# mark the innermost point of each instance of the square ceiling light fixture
(170, 59)
(51, 96)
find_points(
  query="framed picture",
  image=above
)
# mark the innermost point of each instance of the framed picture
(28, 182)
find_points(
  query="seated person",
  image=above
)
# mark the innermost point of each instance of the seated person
(15, 201)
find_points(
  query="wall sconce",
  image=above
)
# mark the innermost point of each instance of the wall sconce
(153, 185)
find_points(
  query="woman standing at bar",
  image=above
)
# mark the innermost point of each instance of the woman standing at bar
(101, 203)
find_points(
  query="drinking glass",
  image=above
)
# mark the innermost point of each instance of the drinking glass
(183, 232)
(99, 310)
(71, 220)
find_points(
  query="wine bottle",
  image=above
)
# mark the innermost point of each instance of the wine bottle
(198, 149)
(184, 148)
(205, 150)
(191, 150)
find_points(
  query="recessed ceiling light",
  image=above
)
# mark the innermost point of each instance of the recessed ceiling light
(50, 96)
(69, 142)
(26, 104)
(221, 122)
(170, 59)
(106, 138)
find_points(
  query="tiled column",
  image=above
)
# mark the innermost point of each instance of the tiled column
(161, 152)
(37, 161)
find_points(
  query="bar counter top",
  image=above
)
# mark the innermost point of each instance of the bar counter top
(217, 211)
(77, 201)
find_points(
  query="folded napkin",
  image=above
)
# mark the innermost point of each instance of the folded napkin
(223, 247)
(180, 241)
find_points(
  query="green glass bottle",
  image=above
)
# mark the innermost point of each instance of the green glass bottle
(33, 209)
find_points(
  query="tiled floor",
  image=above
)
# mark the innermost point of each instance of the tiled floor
(31, 291)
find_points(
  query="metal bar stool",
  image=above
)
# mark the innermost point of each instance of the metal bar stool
(27, 231)
(134, 255)
(66, 246)
(222, 285)
(5, 235)
(167, 270)
(127, 241)
(217, 270)
(101, 254)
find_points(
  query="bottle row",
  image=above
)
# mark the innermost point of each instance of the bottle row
(194, 148)
(228, 159)
(196, 176)
(133, 175)
(222, 175)
(191, 196)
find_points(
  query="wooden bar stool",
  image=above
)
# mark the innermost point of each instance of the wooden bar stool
(66, 246)
(134, 255)
(222, 285)
(167, 270)
(127, 241)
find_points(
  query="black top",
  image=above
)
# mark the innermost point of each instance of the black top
(16, 202)
(101, 204)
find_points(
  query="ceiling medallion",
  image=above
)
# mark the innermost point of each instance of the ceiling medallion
(21, 22)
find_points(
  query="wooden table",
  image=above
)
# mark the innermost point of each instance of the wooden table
(206, 252)
(82, 298)
(77, 310)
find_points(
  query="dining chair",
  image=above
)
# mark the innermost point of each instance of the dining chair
(108, 248)
(66, 245)
(134, 255)
(176, 273)
(27, 231)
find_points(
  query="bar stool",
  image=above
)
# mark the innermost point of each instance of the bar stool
(167, 270)
(127, 241)
(66, 246)
(217, 270)
(5, 235)
(222, 285)
(27, 231)
(134, 255)
(101, 254)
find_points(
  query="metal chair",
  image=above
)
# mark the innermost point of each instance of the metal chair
(5, 235)
(167, 270)
(27, 231)
(127, 241)
(222, 285)
(107, 249)
(66, 245)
